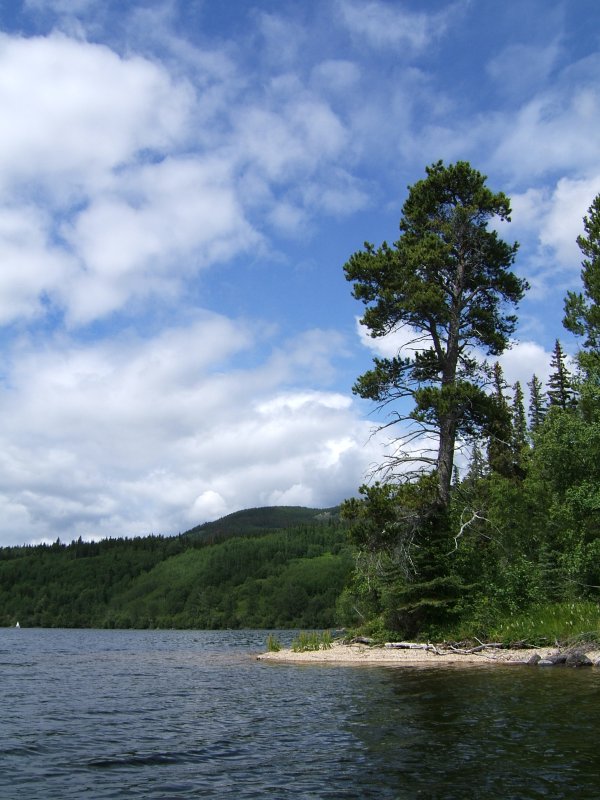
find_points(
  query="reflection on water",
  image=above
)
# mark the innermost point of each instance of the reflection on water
(119, 714)
(517, 731)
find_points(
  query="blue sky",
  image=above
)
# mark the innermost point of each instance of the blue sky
(180, 186)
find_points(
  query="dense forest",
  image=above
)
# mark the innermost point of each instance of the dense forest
(280, 568)
(510, 548)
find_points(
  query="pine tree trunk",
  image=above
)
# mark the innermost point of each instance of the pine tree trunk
(445, 459)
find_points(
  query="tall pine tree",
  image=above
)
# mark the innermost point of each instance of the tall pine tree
(447, 282)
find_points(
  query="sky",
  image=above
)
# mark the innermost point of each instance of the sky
(181, 184)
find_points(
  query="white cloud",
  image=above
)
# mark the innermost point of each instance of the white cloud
(87, 111)
(292, 140)
(335, 75)
(155, 225)
(403, 342)
(555, 130)
(563, 221)
(523, 360)
(129, 436)
(548, 219)
(31, 264)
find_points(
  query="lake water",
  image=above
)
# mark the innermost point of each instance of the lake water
(192, 714)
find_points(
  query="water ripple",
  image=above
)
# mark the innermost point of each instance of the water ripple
(176, 714)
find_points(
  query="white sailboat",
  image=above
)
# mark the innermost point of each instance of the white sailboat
(17, 625)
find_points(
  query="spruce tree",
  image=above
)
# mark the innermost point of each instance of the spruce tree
(560, 387)
(519, 423)
(582, 310)
(477, 465)
(500, 456)
(537, 404)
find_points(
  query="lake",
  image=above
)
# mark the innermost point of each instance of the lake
(191, 714)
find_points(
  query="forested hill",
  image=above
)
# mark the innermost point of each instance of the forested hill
(262, 568)
(261, 520)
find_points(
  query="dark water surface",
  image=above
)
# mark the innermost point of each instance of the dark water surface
(180, 714)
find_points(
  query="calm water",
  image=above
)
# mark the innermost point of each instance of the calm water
(180, 714)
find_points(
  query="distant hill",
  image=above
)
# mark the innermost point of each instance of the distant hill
(276, 567)
(255, 521)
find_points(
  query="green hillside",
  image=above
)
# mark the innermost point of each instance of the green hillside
(252, 521)
(279, 567)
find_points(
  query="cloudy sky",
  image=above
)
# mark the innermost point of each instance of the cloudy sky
(181, 183)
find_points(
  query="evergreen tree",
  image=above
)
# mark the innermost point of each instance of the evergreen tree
(519, 428)
(477, 465)
(447, 281)
(560, 387)
(582, 310)
(537, 404)
(500, 456)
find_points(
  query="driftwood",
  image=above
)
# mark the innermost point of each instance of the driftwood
(443, 649)
(477, 649)
(412, 646)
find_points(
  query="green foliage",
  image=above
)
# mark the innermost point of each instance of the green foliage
(273, 644)
(560, 386)
(446, 281)
(256, 521)
(537, 404)
(287, 578)
(548, 623)
(582, 309)
(513, 550)
(312, 640)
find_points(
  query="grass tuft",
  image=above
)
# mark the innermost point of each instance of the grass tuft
(312, 640)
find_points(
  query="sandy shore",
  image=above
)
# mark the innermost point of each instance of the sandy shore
(354, 654)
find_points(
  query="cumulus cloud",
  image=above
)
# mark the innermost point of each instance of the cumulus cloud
(128, 436)
(563, 220)
(549, 219)
(153, 225)
(523, 360)
(87, 111)
(31, 262)
(130, 211)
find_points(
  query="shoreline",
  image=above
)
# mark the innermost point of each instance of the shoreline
(415, 656)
